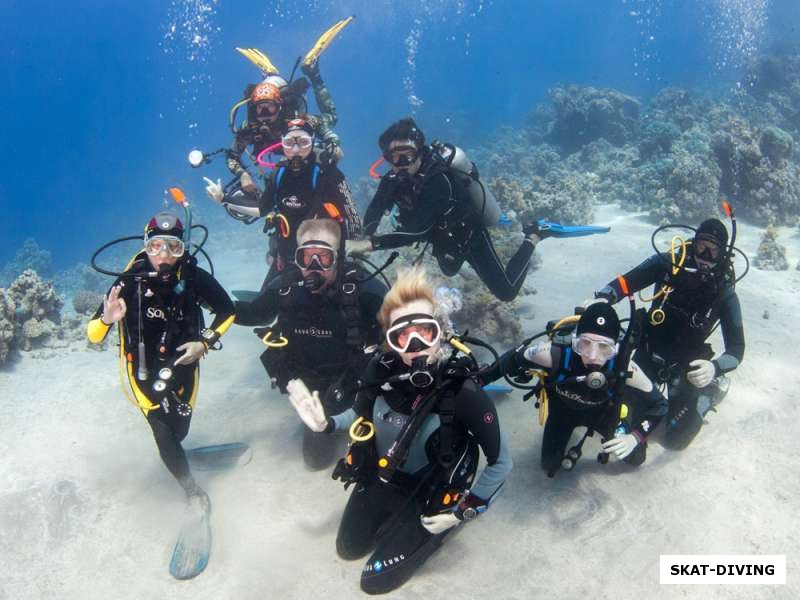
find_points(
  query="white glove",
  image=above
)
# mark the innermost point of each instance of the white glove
(192, 352)
(307, 405)
(621, 445)
(700, 373)
(358, 246)
(214, 190)
(247, 183)
(439, 523)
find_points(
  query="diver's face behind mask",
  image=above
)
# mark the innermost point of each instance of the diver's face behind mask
(268, 111)
(317, 263)
(297, 145)
(706, 254)
(404, 156)
(162, 256)
(594, 350)
(414, 332)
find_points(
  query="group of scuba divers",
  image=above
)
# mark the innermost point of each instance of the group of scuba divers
(355, 354)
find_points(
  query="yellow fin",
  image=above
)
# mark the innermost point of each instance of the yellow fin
(259, 59)
(325, 40)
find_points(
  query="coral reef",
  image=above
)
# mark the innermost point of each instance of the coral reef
(85, 302)
(7, 324)
(673, 156)
(38, 311)
(771, 256)
(81, 277)
(29, 256)
(755, 171)
(585, 114)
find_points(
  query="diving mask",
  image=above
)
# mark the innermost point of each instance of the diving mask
(413, 333)
(265, 110)
(401, 156)
(594, 347)
(303, 142)
(315, 252)
(706, 250)
(170, 244)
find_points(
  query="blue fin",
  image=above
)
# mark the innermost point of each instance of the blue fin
(498, 388)
(190, 556)
(219, 457)
(559, 230)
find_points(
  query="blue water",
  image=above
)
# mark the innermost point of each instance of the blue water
(101, 101)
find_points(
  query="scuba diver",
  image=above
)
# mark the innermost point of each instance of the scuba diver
(326, 311)
(163, 337)
(299, 188)
(587, 379)
(694, 292)
(441, 202)
(416, 425)
(275, 101)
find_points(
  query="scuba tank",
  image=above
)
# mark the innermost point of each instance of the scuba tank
(481, 201)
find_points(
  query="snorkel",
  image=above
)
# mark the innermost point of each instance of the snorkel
(731, 214)
(179, 197)
(268, 150)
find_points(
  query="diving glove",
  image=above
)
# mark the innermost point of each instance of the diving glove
(700, 373)
(214, 190)
(247, 183)
(437, 524)
(621, 445)
(307, 405)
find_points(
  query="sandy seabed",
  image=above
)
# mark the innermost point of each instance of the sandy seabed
(88, 511)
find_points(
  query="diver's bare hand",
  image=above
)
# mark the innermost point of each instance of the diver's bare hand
(114, 307)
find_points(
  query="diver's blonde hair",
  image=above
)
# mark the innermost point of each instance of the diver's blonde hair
(412, 284)
(324, 230)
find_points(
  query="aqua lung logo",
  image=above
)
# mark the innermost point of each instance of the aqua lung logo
(379, 565)
(314, 332)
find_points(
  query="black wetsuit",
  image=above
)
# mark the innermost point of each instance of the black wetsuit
(691, 313)
(573, 404)
(313, 192)
(263, 134)
(304, 194)
(385, 517)
(327, 333)
(434, 209)
(169, 319)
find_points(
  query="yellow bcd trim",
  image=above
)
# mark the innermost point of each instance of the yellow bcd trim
(459, 345)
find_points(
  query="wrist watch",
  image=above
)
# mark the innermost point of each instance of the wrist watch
(209, 336)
